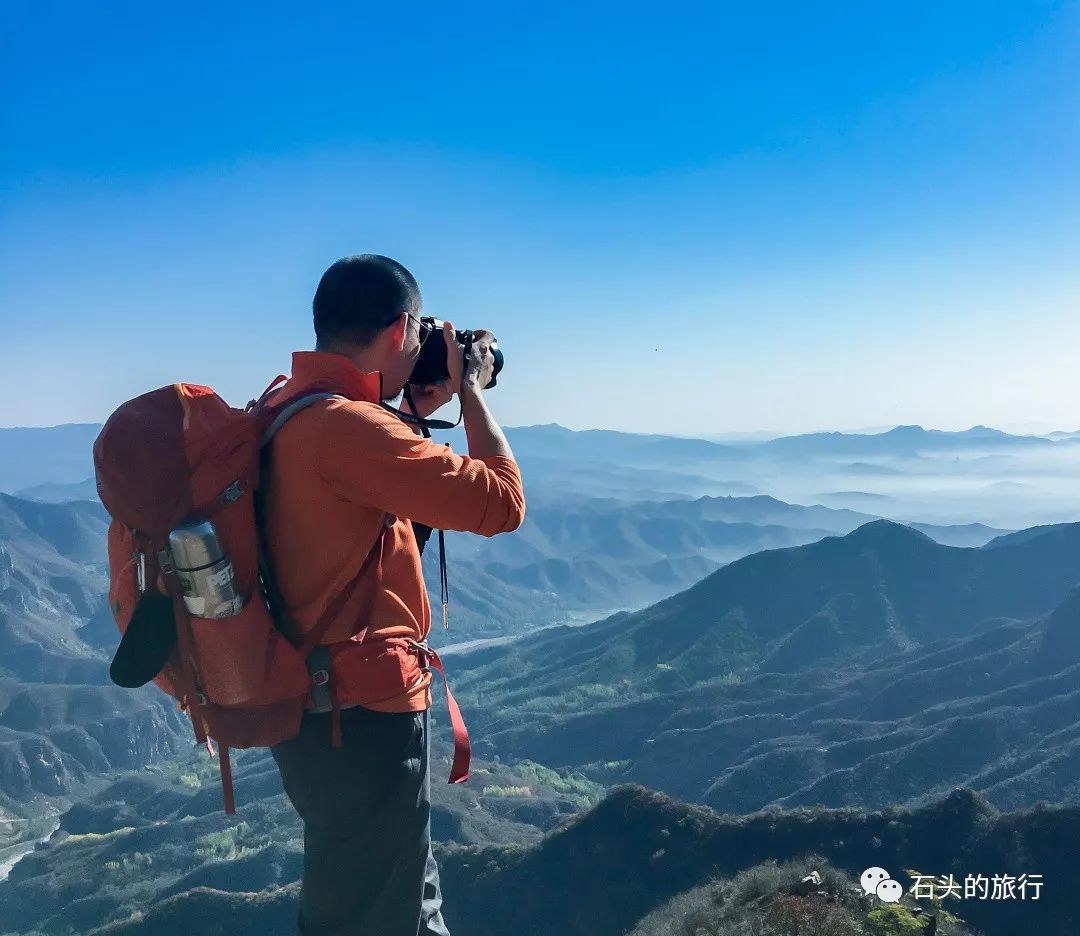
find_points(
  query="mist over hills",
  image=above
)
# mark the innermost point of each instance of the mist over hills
(925, 476)
(53, 454)
(907, 474)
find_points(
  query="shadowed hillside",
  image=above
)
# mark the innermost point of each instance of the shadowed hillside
(161, 832)
(880, 589)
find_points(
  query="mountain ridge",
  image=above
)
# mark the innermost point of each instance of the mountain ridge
(640, 849)
(774, 686)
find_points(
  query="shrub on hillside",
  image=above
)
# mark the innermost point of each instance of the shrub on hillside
(797, 898)
(893, 920)
(812, 915)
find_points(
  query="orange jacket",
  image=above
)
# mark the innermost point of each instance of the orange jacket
(338, 468)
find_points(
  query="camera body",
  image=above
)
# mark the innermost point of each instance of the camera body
(431, 365)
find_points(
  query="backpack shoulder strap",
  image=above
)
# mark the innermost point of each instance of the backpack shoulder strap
(347, 595)
(266, 569)
(288, 411)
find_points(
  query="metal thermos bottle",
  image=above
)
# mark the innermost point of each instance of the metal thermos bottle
(206, 575)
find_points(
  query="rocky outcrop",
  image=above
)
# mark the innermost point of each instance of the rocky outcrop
(45, 754)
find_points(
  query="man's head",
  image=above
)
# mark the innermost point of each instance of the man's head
(367, 308)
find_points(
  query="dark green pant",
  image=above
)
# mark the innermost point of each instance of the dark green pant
(366, 806)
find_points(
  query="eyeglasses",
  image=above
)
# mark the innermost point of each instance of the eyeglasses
(426, 326)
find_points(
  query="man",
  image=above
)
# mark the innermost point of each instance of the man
(347, 478)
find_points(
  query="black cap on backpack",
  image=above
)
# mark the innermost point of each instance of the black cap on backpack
(145, 647)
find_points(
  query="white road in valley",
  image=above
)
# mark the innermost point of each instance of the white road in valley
(10, 857)
(578, 619)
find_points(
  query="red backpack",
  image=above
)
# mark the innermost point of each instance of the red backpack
(163, 458)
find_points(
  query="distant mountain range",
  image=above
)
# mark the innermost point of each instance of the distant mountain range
(871, 668)
(928, 476)
(51, 455)
(574, 555)
(57, 493)
(903, 440)
(578, 554)
(34, 460)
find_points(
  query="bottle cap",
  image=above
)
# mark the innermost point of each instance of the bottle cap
(195, 545)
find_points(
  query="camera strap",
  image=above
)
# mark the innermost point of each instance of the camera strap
(424, 533)
(426, 425)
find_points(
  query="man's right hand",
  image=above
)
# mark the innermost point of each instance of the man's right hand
(486, 439)
(472, 372)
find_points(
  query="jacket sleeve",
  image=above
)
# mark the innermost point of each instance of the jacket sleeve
(368, 456)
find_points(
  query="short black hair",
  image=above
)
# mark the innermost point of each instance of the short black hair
(360, 296)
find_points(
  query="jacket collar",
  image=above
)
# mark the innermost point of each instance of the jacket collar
(324, 370)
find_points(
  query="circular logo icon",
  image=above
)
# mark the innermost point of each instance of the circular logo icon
(871, 877)
(890, 891)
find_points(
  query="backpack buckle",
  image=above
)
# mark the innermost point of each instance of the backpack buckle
(140, 571)
(232, 493)
(422, 653)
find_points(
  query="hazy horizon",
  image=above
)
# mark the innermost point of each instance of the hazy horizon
(1030, 429)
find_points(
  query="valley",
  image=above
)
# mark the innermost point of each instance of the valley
(659, 623)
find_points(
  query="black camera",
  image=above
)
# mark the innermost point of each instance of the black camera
(431, 364)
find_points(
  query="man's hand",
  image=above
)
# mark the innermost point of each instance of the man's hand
(430, 397)
(474, 373)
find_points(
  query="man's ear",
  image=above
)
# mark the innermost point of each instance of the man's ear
(397, 333)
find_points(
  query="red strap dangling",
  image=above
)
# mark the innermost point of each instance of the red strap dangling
(459, 770)
(227, 780)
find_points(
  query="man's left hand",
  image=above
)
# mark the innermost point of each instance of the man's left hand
(430, 397)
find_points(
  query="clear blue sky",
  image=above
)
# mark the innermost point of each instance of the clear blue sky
(680, 217)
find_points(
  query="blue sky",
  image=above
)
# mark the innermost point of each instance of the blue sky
(685, 218)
